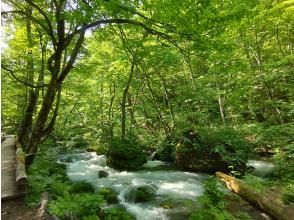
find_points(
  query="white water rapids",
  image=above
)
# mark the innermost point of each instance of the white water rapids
(168, 184)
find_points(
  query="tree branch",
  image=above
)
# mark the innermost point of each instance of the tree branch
(50, 126)
(21, 81)
(30, 2)
(72, 58)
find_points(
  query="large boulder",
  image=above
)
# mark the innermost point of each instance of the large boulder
(141, 194)
(212, 151)
(125, 154)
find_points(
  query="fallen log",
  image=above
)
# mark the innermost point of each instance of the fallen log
(268, 204)
(21, 176)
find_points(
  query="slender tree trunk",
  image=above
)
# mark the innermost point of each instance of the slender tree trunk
(168, 101)
(124, 100)
(110, 109)
(101, 99)
(133, 104)
(32, 98)
(164, 125)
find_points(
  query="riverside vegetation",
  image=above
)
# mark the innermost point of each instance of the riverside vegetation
(126, 109)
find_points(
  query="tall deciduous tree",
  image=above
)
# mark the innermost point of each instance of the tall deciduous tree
(65, 24)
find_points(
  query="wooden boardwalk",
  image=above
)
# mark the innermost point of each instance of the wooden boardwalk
(9, 187)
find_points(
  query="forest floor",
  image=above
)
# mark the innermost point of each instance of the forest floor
(17, 210)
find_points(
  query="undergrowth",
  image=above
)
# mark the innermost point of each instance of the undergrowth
(68, 200)
(213, 205)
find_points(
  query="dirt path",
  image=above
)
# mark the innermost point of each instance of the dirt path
(16, 210)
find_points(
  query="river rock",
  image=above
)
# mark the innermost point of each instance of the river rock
(109, 195)
(195, 154)
(102, 174)
(125, 154)
(141, 194)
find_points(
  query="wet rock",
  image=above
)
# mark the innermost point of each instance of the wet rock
(141, 194)
(102, 174)
(109, 195)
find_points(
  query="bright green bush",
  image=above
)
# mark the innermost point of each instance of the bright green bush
(77, 205)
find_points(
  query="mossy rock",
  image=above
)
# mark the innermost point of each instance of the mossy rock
(116, 213)
(211, 150)
(81, 187)
(109, 195)
(141, 194)
(125, 154)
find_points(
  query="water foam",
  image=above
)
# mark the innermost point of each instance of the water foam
(174, 184)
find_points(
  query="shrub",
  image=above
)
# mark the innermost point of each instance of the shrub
(76, 205)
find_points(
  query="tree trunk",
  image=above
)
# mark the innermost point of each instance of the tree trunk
(124, 100)
(270, 205)
(110, 109)
(168, 101)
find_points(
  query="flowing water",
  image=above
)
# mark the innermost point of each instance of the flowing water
(262, 167)
(169, 184)
(175, 185)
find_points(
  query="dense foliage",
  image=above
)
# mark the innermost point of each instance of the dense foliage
(211, 79)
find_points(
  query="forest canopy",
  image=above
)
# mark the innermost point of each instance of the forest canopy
(90, 71)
